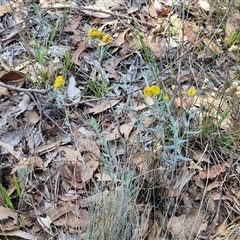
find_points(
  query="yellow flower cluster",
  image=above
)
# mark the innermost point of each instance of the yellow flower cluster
(192, 92)
(104, 37)
(59, 82)
(150, 91)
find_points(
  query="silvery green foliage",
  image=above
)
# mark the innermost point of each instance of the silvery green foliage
(173, 139)
(146, 76)
(101, 52)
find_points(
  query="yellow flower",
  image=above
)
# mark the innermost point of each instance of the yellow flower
(60, 79)
(166, 98)
(94, 33)
(106, 38)
(59, 82)
(192, 92)
(147, 92)
(155, 90)
(57, 85)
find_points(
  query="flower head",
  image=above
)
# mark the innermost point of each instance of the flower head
(106, 38)
(147, 92)
(94, 33)
(59, 82)
(192, 92)
(155, 90)
(166, 98)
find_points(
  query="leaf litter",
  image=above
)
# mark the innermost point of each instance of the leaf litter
(60, 168)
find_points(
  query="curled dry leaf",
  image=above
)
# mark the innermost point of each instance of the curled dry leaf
(11, 76)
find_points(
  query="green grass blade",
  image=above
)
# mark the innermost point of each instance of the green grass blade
(7, 197)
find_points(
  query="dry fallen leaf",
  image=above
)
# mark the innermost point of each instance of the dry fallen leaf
(60, 210)
(76, 221)
(121, 37)
(83, 171)
(62, 139)
(67, 198)
(4, 91)
(151, 9)
(45, 223)
(188, 226)
(74, 93)
(212, 45)
(38, 194)
(103, 106)
(81, 47)
(103, 177)
(71, 177)
(32, 116)
(140, 105)
(9, 219)
(72, 26)
(131, 43)
(19, 234)
(4, 9)
(11, 76)
(204, 4)
(10, 149)
(213, 172)
(125, 129)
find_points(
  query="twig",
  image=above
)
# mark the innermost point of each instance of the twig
(90, 100)
(83, 9)
(26, 90)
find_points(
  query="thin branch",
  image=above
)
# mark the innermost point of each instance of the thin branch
(26, 90)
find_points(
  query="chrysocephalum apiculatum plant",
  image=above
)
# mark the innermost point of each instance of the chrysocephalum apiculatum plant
(173, 132)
